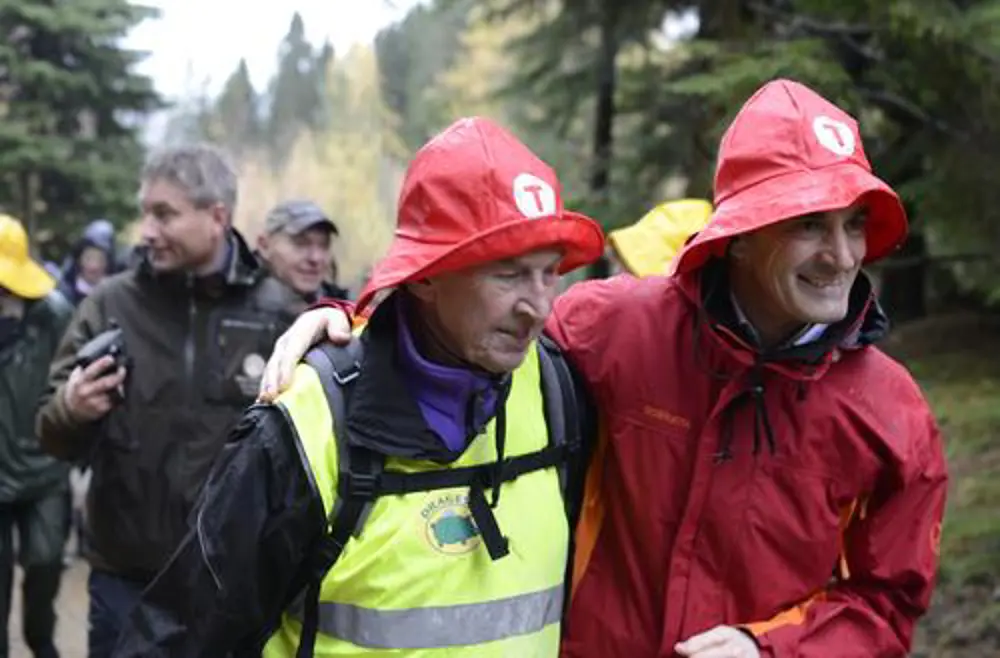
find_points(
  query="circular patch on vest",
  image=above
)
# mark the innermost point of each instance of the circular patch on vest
(448, 524)
(253, 365)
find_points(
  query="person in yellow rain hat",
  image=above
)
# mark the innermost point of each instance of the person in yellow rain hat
(19, 274)
(34, 488)
(646, 247)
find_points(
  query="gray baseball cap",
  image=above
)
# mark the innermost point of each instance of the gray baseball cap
(295, 216)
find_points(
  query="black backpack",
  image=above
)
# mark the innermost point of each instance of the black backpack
(362, 478)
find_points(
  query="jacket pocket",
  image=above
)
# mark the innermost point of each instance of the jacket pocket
(789, 545)
(238, 345)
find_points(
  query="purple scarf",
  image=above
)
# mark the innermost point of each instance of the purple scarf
(446, 395)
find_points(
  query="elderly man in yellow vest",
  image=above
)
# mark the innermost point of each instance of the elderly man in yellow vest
(411, 493)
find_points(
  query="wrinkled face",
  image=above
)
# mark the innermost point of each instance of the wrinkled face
(93, 265)
(180, 235)
(489, 316)
(800, 271)
(300, 261)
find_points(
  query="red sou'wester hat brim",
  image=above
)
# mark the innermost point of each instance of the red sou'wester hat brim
(798, 193)
(580, 238)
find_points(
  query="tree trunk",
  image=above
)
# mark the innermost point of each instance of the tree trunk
(605, 111)
(27, 192)
(604, 118)
(904, 288)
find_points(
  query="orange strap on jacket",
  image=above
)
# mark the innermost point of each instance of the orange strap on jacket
(592, 513)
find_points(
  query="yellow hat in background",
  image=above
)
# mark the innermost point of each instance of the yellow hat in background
(647, 247)
(18, 272)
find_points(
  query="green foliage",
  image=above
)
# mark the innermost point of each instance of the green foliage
(411, 55)
(350, 167)
(920, 75)
(235, 121)
(297, 93)
(69, 101)
(963, 389)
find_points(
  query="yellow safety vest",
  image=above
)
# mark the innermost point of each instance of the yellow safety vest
(418, 581)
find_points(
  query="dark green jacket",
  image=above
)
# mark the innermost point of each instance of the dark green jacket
(197, 347)
(26, 472)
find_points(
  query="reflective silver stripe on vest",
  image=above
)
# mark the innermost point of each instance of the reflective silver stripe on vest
(444, 626)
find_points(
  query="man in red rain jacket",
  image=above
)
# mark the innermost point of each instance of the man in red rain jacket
(766, 481)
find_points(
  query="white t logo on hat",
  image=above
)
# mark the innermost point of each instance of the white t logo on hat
(534, 197)
(835, 136)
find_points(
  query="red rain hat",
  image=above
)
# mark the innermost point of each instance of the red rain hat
(472, 195)
(790, 152)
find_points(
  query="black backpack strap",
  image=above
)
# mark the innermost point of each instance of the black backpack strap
(487, 476)
(563, 415)
(564, 409)
(358, 473)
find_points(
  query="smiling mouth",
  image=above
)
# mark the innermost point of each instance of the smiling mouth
(823, 284)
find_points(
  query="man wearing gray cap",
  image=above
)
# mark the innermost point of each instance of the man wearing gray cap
(295, 246)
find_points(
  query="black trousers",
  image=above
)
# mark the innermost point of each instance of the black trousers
(42, 526)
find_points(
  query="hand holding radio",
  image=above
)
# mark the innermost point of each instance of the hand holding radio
(98, 382)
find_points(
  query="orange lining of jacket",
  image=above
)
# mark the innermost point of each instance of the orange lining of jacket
(592, 513)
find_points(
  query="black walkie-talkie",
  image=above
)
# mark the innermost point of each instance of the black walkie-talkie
(107, 343)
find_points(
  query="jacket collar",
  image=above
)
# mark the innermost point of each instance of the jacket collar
(242, 269)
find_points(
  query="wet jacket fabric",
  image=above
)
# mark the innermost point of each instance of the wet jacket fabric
(799, 494)
(197, 348)
(26, 471)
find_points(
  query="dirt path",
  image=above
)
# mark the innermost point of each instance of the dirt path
(71, 627)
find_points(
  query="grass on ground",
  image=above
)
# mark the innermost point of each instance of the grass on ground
(959, 371)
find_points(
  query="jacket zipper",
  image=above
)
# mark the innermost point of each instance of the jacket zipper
(189, 344)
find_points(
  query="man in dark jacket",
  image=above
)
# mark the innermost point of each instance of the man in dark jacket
(198, 316)
(33, 486)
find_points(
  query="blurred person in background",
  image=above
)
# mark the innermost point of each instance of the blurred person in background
(92, 258)
(646, 247)
(296, 245)
(34, 486)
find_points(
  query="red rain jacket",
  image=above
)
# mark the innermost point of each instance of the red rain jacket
(673, 543)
